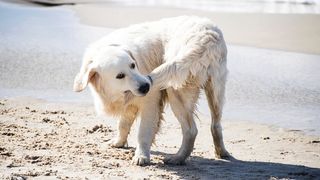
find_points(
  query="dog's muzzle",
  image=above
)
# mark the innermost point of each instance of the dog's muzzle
(144, 88)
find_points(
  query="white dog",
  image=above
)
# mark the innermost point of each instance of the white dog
(136, 69)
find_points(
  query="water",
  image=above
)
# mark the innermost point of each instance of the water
(246, 6)
(42, 48)
(41, 51)
(273, 87)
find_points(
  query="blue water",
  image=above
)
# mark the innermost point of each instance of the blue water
(41, 50)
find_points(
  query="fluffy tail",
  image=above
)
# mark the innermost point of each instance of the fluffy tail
(191, 60)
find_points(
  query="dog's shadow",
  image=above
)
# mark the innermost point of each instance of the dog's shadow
(197, 167)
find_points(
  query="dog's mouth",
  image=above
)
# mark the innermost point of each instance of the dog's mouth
(128, 93)
(128, 96)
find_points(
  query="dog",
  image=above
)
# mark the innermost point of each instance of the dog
(139, 69)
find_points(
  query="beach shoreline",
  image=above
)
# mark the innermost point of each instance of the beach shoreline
(287, 32)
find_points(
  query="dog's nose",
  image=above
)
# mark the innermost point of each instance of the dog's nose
(144, 88)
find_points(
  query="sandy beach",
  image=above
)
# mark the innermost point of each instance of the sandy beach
(44, 140)
(270, 122)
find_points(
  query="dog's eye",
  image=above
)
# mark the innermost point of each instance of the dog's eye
(120, 76)
(132, 66)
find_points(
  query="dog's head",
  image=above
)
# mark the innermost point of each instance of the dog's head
(112, 70)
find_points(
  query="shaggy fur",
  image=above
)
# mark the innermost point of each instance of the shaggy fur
(180, 56)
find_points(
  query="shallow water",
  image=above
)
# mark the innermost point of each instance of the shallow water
(246, 6)
(41, 51)
(273, 87)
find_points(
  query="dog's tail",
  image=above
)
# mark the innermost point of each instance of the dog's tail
(192, 60)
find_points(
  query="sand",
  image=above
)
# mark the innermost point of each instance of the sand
(44, 140)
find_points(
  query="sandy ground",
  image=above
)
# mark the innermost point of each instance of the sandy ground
(43, 140)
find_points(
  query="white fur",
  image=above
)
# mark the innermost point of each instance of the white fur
(182, 55)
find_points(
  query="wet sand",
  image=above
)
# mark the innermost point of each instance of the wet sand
(44, 140)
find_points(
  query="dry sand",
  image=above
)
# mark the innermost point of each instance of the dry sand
(290, 32)
(67, 141)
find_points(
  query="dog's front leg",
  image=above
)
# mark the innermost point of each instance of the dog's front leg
(124, 126)
(120, 140)
(147, 129)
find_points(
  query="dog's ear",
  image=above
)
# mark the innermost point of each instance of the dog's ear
(130, 54)
(83, 78)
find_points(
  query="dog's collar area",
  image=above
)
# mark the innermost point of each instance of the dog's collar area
(150, 79)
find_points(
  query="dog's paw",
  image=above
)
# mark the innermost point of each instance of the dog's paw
(140, 160)
(117, 143)
(175, 160)
(224, 155)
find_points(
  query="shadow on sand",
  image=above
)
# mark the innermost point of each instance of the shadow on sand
(201, 168)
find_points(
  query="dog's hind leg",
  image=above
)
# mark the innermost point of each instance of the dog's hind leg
(124, 126)
(183, 104)
(215, 90)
